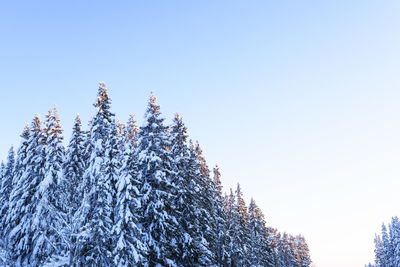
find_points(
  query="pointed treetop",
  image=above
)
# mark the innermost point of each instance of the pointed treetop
(11, 152)
(36, 125)
(102, 86)
(132, 129)
(78, 119)
(153, 98)
(25, 132)
(217, 179)
(55, 113)
(120, 127)
(52, 125)
(102, 96)
(152, 109)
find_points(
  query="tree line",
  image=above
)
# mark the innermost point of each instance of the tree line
(120, 195)
(387, 245)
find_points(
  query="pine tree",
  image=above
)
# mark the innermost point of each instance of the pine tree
(129, 249)
(7, 174)
(380, 257)
(387, 247)
(207, 205)
(304, 259)
(231, 227)
(241, 234)
(155, 167)
(222, 235)
(395, 240)
(28, 244)
(74, 168)
(96, 241)
(286, 256)
(54, 158)
(88, 148)
(260, 252)
(14, 207)
(47, 205)
(186, 175)
(72, 190)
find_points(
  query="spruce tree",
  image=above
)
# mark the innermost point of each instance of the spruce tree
(207, 205)
(54, 159)
(222, 239)
(186, 175)
(95, 239)
(73, 189)
(14, 207)
(6, 185)
(387, 246)
(155, 167)
(241, 235)
(74, 168)
(260, 252)
(129, 249)
(47, 204)
(27, 241)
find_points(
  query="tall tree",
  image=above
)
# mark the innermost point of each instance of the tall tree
(129, 248)
(155, 167)
(96, 241)
(186, 175)
(28, 244)
(7, 174)
(260, 252)
(13, 215)
(74, 168)
(73, 190)
(207, 205)
(241, 235)
(47, 205)
(222, 239)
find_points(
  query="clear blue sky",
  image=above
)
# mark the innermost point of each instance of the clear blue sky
(296, 100)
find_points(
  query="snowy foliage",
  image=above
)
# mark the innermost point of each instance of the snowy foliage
(120, 195)
(387, 246)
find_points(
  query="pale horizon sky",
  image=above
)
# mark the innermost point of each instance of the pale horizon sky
(298, 101)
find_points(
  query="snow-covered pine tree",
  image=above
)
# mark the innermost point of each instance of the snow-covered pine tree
(54, 158)
(73, 190)
(88, 148)
(380, 257)
(113, 161)
(47, 204)
(222, 238)
(387, 247)
(74, 168)
(395, 240)
(260, 252)
(13, 215)
(304, 259)
(285, 254)
(129, 249)
(207, 205)
(241, 233)
(6, 185)
(95, 239)
(155, 167)
(231, 226)
(185, 177)
(29, 213)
